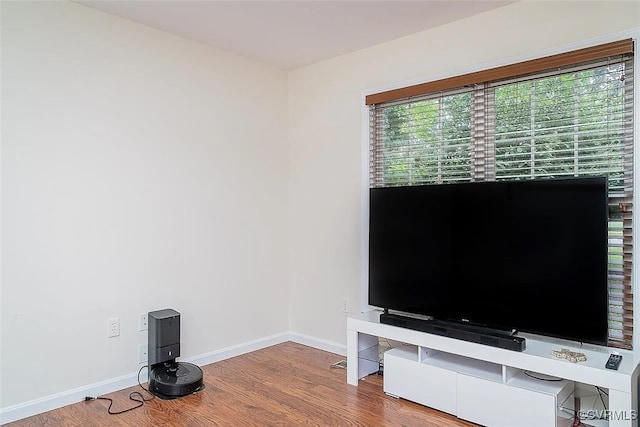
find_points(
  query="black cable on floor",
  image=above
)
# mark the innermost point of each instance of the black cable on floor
(136, 396)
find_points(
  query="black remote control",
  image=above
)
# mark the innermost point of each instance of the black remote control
(614, 361)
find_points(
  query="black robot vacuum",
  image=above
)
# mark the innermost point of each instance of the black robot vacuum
(169, 379)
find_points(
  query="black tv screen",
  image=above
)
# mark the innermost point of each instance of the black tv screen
(525, 255)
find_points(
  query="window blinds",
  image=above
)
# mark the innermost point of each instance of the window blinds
(575, 119)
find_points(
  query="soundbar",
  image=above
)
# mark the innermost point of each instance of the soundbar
(472, 334)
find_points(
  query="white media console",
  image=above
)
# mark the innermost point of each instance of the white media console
(488, 385)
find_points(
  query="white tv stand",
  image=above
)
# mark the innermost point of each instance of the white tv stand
(484, 384)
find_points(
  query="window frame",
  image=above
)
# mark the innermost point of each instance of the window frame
(369, 96)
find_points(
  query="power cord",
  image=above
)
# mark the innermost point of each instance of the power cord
(527, 373)
(136, 396)
(577, 421)
(600, 392)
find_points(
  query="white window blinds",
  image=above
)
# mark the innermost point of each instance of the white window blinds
(575, 119)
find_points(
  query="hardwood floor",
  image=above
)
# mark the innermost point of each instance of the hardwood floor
(285, 385)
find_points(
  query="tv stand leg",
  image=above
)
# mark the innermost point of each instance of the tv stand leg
(362, 356)
(623, 409)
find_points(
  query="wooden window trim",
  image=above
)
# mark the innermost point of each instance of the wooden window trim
(620, 47)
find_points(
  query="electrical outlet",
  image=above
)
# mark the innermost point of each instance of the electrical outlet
(114, 327)
(143, 322)
(345, 305)
(143, 356)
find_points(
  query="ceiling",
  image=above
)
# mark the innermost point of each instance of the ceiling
(292, 34)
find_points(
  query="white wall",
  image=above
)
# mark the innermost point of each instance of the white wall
(130, 181)
(139, 171)
(325, 133)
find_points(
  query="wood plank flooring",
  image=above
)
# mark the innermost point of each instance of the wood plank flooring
(284, 385)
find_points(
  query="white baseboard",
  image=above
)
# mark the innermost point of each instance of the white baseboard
(58, 400)
(239, 349)
(320, 344)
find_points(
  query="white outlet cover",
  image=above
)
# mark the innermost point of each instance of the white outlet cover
(345, 305)
(114, 327)
(143, 356)
(143, 322)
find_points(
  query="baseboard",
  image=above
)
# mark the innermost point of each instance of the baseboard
(58, 400)
(237, 350)
(55, 401)
(320, 344)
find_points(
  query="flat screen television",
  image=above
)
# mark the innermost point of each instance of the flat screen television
(525, 255)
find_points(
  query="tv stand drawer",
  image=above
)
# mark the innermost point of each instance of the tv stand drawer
(474, 390)
(424, 384)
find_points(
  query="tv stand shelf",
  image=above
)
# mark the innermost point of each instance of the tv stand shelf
(435, 371)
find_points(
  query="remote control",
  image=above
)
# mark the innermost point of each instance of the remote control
(614, 361)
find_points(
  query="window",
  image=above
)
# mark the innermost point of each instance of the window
(564, 115)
